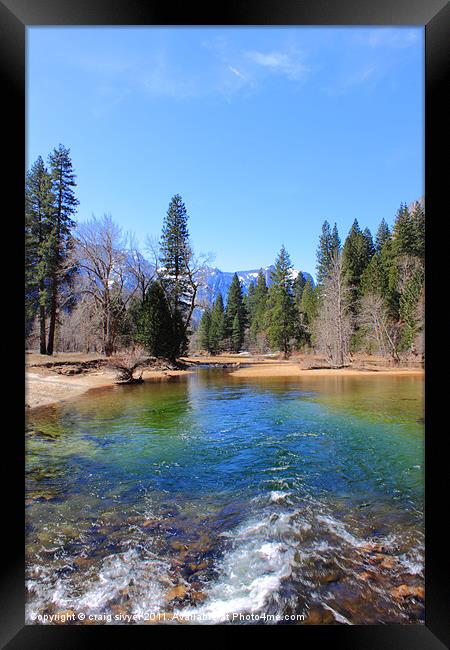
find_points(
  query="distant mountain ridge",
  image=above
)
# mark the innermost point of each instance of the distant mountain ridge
(217, 281)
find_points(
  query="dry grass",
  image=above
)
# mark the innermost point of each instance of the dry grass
(36, 359)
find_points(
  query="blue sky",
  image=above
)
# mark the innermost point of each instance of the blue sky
(265, 132)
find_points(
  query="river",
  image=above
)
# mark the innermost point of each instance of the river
(223, 500)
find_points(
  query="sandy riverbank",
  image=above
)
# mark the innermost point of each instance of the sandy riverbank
(297, 367)
(44, 386)
(292, 370)
(42, 390)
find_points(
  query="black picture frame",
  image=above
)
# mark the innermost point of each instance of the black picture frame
(434, 15)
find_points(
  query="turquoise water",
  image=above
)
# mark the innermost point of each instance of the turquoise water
(210, 496)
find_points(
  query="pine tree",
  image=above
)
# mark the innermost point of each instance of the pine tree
(418, 224)
(356, 255)
(329, 244)
(155, 323)
(409, 301)
(383, 235)
(60, 240)
(309, 304)
(374, 279)
(175, 254)
(258, 306)
(235, 307)
(335, 244)
(204, 330)
(404, 232)
(406, 254)
(248, 300)
(389, 265)
(298, 287)
(38, 202)
(368, 244)
(236, 334)
(217, 329)
(281, 312)
(175, 249)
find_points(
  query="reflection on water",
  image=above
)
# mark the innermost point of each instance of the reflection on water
(213, 495)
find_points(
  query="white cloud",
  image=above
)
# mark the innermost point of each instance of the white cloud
(285, 63)
(236, 72)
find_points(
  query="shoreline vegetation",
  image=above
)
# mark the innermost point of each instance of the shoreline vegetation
(69, 375)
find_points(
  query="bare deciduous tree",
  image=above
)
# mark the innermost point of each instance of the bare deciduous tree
(102, 258)
(333, 325)
(374, 318)
(79, 329)
(143, 271)
(128, 363)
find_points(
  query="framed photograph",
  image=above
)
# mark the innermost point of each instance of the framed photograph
(231, 420)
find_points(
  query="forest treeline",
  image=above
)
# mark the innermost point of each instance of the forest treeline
(89, 287)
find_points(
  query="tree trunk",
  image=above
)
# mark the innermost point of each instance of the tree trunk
(43, 345)
(54, 297)
(52, 325)
(108, 344)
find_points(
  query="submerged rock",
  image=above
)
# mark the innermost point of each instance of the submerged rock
(82, 562)
(178, 546)
(318, 615)
(178, 592)
(198, 596)
(408, 591)
(332, 576)
(194, 567)
(150, 523)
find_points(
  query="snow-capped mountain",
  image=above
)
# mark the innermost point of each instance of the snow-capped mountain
(217, 281)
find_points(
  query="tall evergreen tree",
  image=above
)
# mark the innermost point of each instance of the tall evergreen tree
(258, 306)
(235, 314)
(175, 250)
(383, 235)
(38, 203)
(368, 243)
(175, 254)
(335, 247)
(281, 313)
(409, 300)
(249, 298)
(374, 279)
(329, 245)
(404, 232)
(204, 330)
(155, 323)
(418, 223)
(60, 241)
(236, 334)
(309, 304)
(356, 255)
(217, 328)
(389, 265)
(299, 285)
(406, 253)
